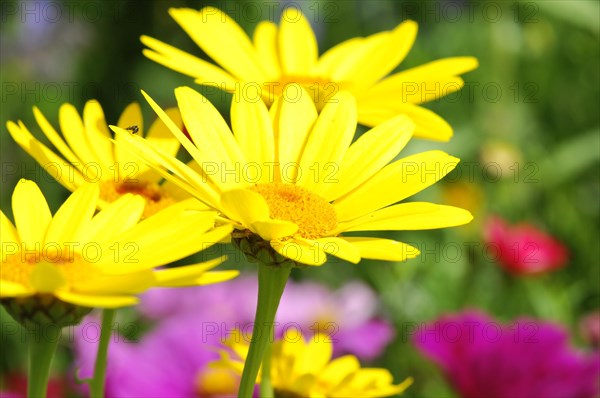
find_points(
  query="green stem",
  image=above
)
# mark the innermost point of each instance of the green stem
(41, 352)
(271, 282)
(97, 383)
(266, 388)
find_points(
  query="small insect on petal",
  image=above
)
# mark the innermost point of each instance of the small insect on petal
(134, 129)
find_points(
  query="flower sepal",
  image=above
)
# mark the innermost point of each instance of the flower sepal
(258, 250)
(43, 310)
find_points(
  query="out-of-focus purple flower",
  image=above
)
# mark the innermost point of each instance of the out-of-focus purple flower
(524, 249)
(529, 358)
(234, 301)
(169, 361)
(348, 315)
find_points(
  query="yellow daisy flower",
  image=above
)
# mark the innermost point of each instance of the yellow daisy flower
(288, 53)
(304, 369)
(52, 265)
(291, 181)
(88, 154)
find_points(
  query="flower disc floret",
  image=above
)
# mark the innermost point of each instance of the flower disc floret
(156, 198)
(314, 216)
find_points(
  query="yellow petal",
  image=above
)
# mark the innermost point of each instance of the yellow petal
(94, 300)
(97, 132)
(54, 137)
(210, 278)
(339, 368)
(73, 129)
(163, 140)
(222, 39)
(394, 183)
(401, 41)
(338, 56)
(13, 289)
(174, 191)
(409, 216)
(300, 252)
(372, 382)
(434, 70)
(131, 116)
(133, 283)
(182, 62)
(73, 215)
(8, 232)
(31, 212)
(114, 219)
(174, 128)
(244, 206)
(369, 154)
(335, 126)
(383, 249)
(293, 118)
(191, 180)
(338, 247)
(253, 131)
(297, 43)
(161, 137)
(69, 176)
(379, 54)
(265, 42)
(428, 124)
(164, 238)
(317, 354)
(212, 136)
(414, 91)
(274, 229)
(47, 278)
(189, 275)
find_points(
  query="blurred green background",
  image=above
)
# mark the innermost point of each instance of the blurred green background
(531, 108)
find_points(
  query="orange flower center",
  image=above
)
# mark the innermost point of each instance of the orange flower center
(155, 197)
(66, 266)
(314, 215)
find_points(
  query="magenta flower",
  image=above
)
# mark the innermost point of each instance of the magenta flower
(523, 249)
(529, 358)
(349, 315)
(10, 394)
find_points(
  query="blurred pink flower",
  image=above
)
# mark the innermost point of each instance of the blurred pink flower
(589, 327)
(348, 315)
(523, 249)
(528, 358)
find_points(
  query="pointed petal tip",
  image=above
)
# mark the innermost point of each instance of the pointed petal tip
(409, 24)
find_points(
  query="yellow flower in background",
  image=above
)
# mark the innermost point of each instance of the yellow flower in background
(291, 180)
(86, 153)
(58, 263)
(288, 53)
(305, 369)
